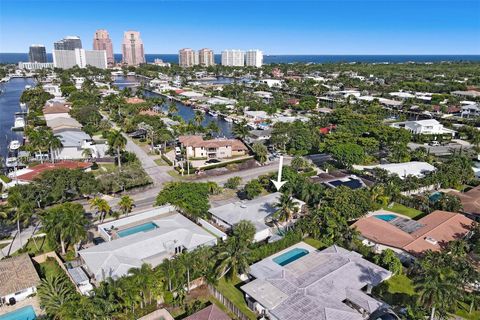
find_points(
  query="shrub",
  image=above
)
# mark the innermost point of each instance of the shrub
(233, 183)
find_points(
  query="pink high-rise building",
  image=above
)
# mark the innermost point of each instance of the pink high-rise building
(102, 41)
(132, 48)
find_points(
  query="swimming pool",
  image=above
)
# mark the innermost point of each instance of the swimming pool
(385, 217)
(149, 226)
(290, 256)
(434, 197)
(25, 313)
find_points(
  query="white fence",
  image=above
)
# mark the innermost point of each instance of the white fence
(212, 229)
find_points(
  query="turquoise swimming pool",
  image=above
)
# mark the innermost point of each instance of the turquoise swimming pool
(149, 226)
(25, 313)
(385, 217)
(434, 197)
(290, 256)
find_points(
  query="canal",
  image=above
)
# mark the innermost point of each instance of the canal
(9, 104)
(185, 112)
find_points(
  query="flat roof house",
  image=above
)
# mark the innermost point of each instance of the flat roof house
(149, 237)
(302, 283)
(255, 211)
(414, 168)
(219, 148)
(430, 126)
(409, 238)
(18, 278)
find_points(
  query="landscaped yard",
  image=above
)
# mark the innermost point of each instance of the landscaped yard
(50, 268)
(406, 211)
(314, 243)
(35, 247)
(229, 290)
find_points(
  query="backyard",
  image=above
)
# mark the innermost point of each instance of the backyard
(406, 211)
(230, 290)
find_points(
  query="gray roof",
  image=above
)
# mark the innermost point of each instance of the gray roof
(255, 210)
(78, 275)
(63, 122)
(315, 285)
(115, 258)
(71, 137)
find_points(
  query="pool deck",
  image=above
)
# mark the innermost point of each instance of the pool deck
(33, 301)
(115, 235)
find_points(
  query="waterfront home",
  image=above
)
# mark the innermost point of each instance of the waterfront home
(58, 123)
(429, 127)
(75, 142)
(27, 175)
(408, 238)
(221, 100)
(148, 237)
(413, 168)
(134, 100)
(256, 116)
(272, 82)
(56, 110)
(256, 211)
(18, 279)
(219, 148)
(259, 135)
(53, 89)
(301, 282)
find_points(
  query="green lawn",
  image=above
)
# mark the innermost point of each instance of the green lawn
(50, 268)
(229, 290)
(160, 162)
(39, 246)
(314, 243)
(406, 211)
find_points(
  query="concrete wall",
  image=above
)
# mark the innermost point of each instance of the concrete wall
(212, 229)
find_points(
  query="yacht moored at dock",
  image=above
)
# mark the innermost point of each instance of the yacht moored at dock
(14, 145)
(19, 123)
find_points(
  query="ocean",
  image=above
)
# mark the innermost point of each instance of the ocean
(268, 59)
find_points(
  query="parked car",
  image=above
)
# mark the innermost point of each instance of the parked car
(211, 161)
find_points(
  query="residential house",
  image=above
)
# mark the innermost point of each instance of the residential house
(256, 211)
(27, 175)
(413, 168)
(218, 148)
(301, 282)
(470, 202)
(337, 179)
(75, 142)
(148, 237)
(59, 123)
(430, 126)
(410, 238)
(18, 279)
(470, 110)
(57, 110)
(53, 89)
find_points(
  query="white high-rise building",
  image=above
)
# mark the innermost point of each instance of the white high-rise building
(66, 59)
(187, 58)
(206, 57)
(254, 58)
(235, 58)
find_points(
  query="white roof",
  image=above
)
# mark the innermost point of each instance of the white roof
(314, 286)
(115, 258)
(191, 94)
(413, 168)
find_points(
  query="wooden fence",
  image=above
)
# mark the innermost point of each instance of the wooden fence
(227, 303)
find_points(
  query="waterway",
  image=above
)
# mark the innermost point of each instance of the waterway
(9, 104)
(187, 113)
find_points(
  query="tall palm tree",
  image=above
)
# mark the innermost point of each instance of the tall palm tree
(102, 207)
(53, 142)
(126, 204)
(87, 153)
(198, 118)
(22, 209)
(117, 141)
(232, 258)
(286, 207)
(172, 108)
(54, 292)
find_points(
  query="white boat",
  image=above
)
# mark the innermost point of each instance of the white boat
(19, 123)
(28, 87)
(131, 73)
(14, 145)
(228, 119)
(213, 114)
(23, 105)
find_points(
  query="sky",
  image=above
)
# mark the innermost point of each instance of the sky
(274, 26)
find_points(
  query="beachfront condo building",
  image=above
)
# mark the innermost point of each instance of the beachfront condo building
(206, 57)
(132, 48)
(254, 58)
(187, 57)
(37, 53)
(235, 58)
(66, 59)
(102, 41)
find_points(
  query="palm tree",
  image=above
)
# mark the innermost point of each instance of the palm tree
(240, 129)
(22, 209)
(172, 108)
(54, 292)
(117, 141)
(198, 118)
(102, 207)
(65, 223)
(87, 153)
(187, 260)
(126, 204)
(260, 151)
(286, 207)
(53, 142)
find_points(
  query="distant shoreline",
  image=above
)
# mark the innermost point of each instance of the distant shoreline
(299, 58)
